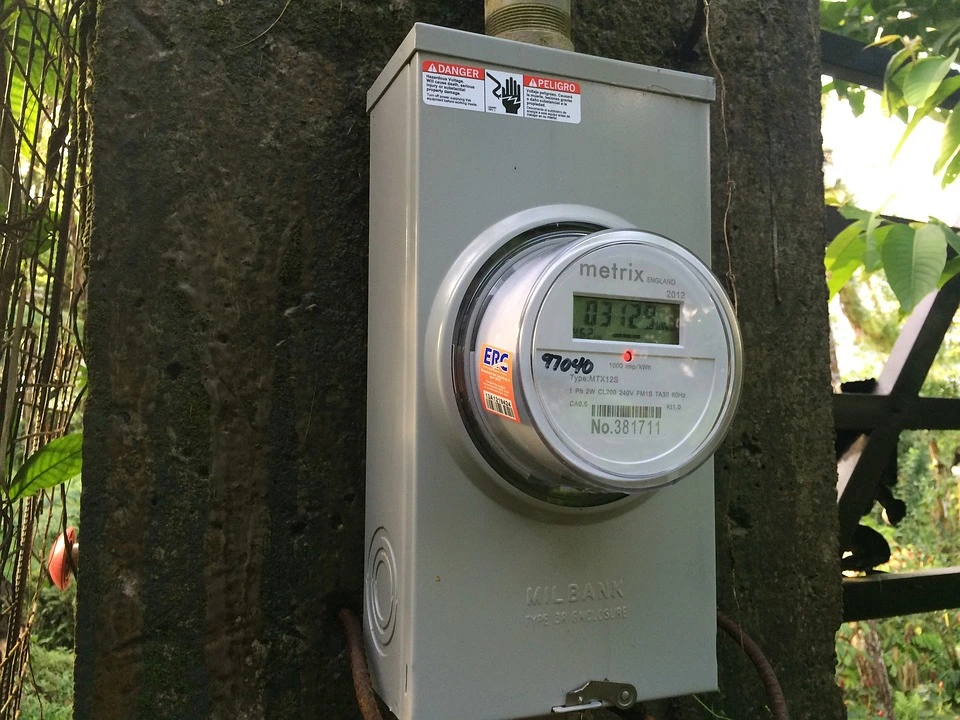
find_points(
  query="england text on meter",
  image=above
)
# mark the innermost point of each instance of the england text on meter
(596, 365)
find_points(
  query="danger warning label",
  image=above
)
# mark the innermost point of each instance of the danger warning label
(500, 92)
(453, 85)
(551, 99)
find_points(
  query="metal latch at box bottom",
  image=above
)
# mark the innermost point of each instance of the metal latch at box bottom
(597, 694)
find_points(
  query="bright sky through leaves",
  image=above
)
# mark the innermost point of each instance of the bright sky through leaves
(860, 150)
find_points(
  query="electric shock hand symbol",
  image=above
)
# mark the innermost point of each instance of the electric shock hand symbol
(511, 96)
(507, 93)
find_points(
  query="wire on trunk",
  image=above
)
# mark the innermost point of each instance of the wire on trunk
(358, 666)
(768, 677)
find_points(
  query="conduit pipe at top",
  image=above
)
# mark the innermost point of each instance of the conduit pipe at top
(540, 22)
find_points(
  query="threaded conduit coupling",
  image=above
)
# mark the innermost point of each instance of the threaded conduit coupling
(546, 22)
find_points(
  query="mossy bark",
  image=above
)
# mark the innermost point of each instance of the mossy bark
(222, 518)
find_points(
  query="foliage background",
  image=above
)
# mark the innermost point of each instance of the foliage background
(913, 659)
(920, 83)
(226, 402)
(905, 667)
(43, 193)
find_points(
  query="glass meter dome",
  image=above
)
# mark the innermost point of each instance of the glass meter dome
(588, 365)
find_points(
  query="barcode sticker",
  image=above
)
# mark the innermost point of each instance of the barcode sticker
(495, 377)
(498, 405)
(626, 411)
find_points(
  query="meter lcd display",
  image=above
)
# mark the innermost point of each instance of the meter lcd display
(604, 318)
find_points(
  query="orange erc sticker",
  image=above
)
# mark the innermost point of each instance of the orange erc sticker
(495, 374)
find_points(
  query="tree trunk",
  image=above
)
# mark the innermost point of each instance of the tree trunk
(222, 514)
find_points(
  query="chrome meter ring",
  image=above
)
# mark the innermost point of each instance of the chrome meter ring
(543, 479)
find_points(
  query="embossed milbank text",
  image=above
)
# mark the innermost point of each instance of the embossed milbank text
(587, 602)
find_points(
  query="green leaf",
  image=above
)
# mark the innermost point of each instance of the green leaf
(953, 239)
(23, 102)
(11, 19)
(844, 255)
(872, 259)
(946, 89)
(842, 87)
(951, 269)
(831, 14)
(851, 212)
(893, 76)
(924, 77)
(952, 171)
(857, 99)
(950, 142)
(42, 237)
(32, 88)
(835, 196)
(913, 263)
(54, 463)
(885, 40)
(947, 32)
(853, 93)
(37, 37)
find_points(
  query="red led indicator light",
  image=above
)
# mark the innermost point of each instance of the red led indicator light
(627, 355)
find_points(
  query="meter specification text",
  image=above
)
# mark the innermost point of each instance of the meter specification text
(637, 409)
(625, 419)
(614, 418)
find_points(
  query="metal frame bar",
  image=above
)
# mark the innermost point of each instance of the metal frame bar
(862, 412)
(889, 594)
(853, 61)
(895, 399)
(895, 404)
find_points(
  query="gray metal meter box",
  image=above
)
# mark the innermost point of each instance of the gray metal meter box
(551, 365)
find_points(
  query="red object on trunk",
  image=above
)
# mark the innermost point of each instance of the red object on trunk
(58, 563)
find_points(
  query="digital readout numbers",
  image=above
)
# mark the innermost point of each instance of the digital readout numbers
(558, 362)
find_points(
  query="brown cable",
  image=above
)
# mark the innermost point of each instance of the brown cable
(778, 703)
(358, 666)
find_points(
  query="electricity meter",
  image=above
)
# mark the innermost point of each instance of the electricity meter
(545, 387)
(587, 366)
